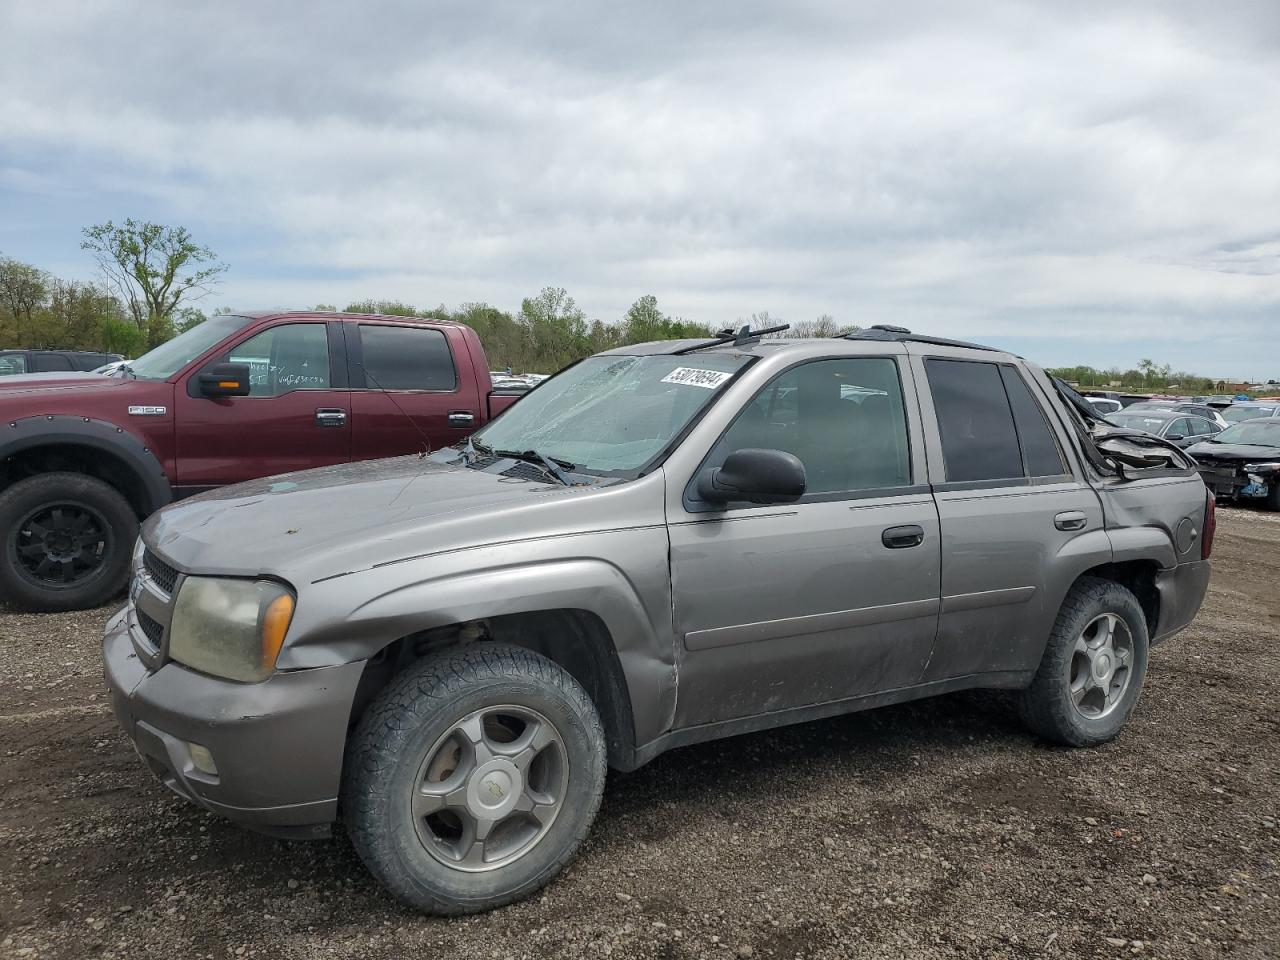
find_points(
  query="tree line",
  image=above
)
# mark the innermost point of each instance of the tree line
(152, 275)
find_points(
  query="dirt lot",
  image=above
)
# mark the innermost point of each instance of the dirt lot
(929, 830)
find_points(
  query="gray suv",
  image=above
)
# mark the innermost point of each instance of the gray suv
(661, 545)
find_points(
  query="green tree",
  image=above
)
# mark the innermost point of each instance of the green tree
(24, 289)
(153, 269)
(391, 308)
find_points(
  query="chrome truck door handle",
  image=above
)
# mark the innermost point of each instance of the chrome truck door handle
(330, 417)
(462, 418)
(1070, 520)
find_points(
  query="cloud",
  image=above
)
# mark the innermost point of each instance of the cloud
(1073, 175)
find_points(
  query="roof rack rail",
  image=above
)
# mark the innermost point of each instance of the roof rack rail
(885, 331)
(739, 338)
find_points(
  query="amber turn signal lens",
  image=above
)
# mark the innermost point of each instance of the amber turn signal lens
(275, 623)
(229, 384)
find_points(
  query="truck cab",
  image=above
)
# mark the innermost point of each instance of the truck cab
(237, 397)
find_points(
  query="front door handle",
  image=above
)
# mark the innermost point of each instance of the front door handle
(1070, 520)
(331, 417)
(899, 538)
(462, 418)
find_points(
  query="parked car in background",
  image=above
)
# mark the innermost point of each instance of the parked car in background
(1243, 461)
(86, 457)
(1104, 405)
(14, 362)
(1182, 406)
(1180, 429)
(1238, 412)
(663, 544)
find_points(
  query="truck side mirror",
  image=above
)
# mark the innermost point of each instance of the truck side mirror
(754, 475)
(225, 380)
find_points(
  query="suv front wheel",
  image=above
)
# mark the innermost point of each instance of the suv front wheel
(1092, 671)
(473, 777)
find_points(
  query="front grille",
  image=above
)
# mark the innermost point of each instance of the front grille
(159, 571)
(154, 631)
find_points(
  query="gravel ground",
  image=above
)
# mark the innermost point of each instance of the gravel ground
(934, 829)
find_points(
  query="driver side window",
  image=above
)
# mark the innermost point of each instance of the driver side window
(843, 419)
(293, 356)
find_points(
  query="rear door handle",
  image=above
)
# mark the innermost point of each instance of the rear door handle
(1070, 520)
(331, 417)
(899, 538)
(462, 418)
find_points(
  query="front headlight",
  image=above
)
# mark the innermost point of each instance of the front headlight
(230, 628)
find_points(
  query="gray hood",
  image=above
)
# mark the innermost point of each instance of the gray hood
(321, 523)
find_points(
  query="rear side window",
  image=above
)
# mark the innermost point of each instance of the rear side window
(406, 358)
(979, 440)
(47, 362)
(1039, 448)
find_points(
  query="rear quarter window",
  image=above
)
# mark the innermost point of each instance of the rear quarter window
(406, 358)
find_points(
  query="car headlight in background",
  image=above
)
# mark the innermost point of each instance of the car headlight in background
(230, 628)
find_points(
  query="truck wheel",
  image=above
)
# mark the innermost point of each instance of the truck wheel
(1273, 496)
(473, 777)
(68, 539)
(1091, 674)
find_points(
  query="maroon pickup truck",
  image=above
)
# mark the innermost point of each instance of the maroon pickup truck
(86, 456)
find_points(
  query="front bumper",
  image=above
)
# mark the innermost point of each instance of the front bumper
(277, 745)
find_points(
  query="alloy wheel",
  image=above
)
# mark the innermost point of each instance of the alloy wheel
(490, 788)
(1101, 666)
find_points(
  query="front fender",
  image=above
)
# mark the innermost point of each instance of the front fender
(630, 604)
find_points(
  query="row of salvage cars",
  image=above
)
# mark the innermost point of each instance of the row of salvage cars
(1236, 447)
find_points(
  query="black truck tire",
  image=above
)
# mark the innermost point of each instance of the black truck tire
(1093, 667)
(437, 756)
(67, 542)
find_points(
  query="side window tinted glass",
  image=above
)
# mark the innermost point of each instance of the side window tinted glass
(46, 362)
(406, 358)
(1039, 448)
(1179, 428)
(294, 356)
(844, 419)
(13, 363)
(979, 441)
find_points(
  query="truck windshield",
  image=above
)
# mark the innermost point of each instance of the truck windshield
(168, 358)
(613, 415)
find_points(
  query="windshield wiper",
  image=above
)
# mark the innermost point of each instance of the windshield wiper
(127, 370)
(551, 464)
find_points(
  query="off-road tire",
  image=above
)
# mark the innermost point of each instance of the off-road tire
(397, 731)
(1046, 706)
(106, 580)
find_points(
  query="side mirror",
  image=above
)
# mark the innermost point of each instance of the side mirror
(757, 476)
(225, 380)
(1175, 437)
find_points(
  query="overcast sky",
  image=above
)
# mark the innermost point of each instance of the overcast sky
(1082, 182)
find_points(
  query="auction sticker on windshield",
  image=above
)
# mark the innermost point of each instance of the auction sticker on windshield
(695, 377)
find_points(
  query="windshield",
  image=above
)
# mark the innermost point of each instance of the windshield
(168, 358)
(613, 414)
(1237, 412)
(1136, 421)
(1257, 433)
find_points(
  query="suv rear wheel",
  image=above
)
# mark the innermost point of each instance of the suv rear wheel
(1093, 667)
(473, 778)
(67, 542)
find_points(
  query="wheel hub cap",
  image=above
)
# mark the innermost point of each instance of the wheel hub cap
(493, 789)
(1101, 666)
